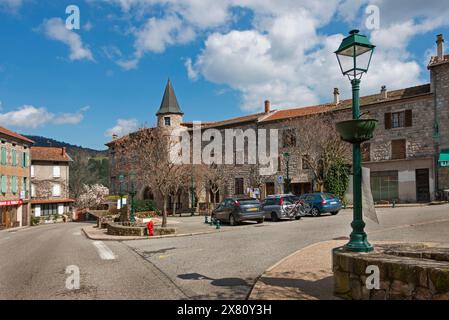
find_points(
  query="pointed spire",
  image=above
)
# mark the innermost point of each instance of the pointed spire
(169, 103)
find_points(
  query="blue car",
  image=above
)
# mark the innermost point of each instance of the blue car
(322, 203)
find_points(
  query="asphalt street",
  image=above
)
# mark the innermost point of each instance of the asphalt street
(221, 265)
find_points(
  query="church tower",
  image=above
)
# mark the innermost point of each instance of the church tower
(169, 114)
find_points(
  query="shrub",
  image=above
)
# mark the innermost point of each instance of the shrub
(337, 179)
(144, 205)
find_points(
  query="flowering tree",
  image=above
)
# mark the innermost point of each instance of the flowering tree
(92, 196)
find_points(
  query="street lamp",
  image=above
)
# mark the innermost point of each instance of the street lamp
(121, 179)
(287, 180)
(354, 57)
(132, 193)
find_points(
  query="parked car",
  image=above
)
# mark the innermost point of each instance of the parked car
(275, 206)
(322, 203)
(235, 210)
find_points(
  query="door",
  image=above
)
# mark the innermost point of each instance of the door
(422, 185)
(269, 188)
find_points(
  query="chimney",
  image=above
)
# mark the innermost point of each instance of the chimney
(114, 137)
(384, 92)
(267, 106)
(63, 150)
(440, 47)
(336, 96)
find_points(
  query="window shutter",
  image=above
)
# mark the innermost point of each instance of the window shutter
(32, 171)
(398, 149)
(408, 118)
(3, 155)
(388, 120)
(3, 184)
(14, 157)
(14, 184)
(366, 152)
(56, 172)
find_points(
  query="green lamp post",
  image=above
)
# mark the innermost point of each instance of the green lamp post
(354, 57)
(287, 179)
(132, 193)
(121, 179)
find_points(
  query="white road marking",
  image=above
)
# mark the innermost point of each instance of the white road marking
(104, 252)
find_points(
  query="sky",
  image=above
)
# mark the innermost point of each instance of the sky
(224, 58)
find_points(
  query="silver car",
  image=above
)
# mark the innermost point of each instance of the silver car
(275, 206)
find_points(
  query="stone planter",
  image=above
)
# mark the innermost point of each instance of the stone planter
(357, 131)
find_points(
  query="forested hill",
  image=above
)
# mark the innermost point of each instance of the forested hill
(89, 166)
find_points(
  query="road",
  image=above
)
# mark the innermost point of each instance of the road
(222, 265)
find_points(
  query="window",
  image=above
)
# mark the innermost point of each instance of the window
(305, 162)
(366, 152)
(14, 157)
(398, 119)
(384, 185)
(25, 187)
(239, 186)
(3, 155)
(167, 121)
(398, 149)
(14, 184)
(33, 190)
(56, 171)
(25, 159)
(56, 190)
(32, 171)
(289, 138)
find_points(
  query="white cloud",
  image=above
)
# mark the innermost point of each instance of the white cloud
(123, 127)
(31, 117)
(55, 29)
(11, 5)
(285, 54)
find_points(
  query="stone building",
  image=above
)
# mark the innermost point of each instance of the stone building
(50, 181)
(408, 156)
(14, 179)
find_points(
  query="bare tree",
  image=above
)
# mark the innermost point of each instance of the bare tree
(320, 144)
(200, 176)
(217, 180)
(147, 154)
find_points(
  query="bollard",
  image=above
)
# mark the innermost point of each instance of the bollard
(206, 220)
(218, 227)
(394, 204)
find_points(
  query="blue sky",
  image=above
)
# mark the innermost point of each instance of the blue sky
(224, 58)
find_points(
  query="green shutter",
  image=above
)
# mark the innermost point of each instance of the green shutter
(14, 157)
(25, 160)
(3, 184)
(3, 155)
(14, 184)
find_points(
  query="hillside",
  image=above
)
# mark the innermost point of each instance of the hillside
(89, 166)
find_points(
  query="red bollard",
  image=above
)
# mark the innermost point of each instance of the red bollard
(150, 227)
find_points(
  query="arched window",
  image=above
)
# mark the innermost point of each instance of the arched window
(148, 194)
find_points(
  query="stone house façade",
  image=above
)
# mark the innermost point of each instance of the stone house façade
(405, 156)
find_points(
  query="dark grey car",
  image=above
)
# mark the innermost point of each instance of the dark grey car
(236, 210)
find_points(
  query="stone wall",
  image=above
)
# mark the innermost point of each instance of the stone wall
(116, 229)
(405, 272)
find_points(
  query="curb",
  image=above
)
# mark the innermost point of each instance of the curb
(279, 263)
(154, 237)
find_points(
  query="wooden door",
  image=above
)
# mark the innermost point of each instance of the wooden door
(422, 185)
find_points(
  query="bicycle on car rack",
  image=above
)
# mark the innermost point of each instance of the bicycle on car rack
(298, 209)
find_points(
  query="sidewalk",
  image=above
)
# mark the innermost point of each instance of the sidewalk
(304, 275)
(186, 226)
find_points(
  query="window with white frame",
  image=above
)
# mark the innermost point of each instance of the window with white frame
(32, 171)
(56, 190)
(33, 190)
(56, 172)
